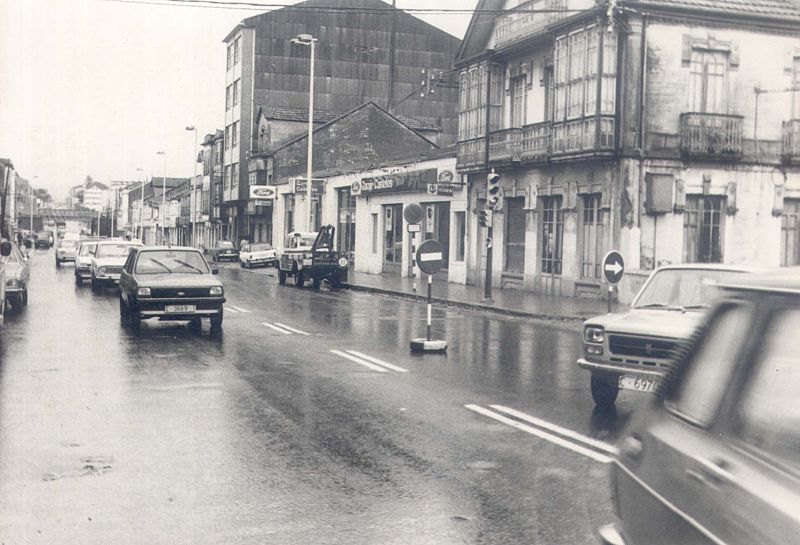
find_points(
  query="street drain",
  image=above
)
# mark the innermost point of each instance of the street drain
(93, 465)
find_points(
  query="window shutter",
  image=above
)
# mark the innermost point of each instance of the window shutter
(686, 53)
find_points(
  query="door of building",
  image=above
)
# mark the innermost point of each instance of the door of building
(551, 244)
(346, 228)
(393, 238)
(515, 236)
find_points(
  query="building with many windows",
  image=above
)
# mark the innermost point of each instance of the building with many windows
(666, 130)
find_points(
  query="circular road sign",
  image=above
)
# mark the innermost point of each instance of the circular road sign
(413, 213)
(613, 266)
(429, 257)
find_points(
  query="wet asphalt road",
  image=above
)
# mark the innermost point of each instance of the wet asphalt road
(263, 435)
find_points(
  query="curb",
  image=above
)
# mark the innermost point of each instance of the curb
(467, 305)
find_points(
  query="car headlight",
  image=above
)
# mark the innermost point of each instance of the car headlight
(101, 271)
(143, 292)
(594, 334)
(12, 283)
(343, 262)
(215, 290)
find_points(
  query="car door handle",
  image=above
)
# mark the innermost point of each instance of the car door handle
(711, 472)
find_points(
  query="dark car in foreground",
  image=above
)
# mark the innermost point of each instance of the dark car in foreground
(169, 283)
(714, 459)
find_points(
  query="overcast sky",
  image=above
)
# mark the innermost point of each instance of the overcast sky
(96, 87)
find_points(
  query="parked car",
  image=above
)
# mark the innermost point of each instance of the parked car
(6, 249)
(169, 284)
(224, 249)
(715, 460)
(108, 259)
(83, 260)
(44, 239)
(312, 255)
(257, 254)
(66, 251)
(633, 350)
(17, 275)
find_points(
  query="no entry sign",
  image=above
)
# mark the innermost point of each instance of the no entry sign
(429, 257)
(613, 267)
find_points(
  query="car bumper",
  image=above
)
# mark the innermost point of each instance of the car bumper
(65, 257)
(156, 308)
(227, 256)
(611, 369)
(107, 278)
(13, 291)
(262, 261)
(83, 273)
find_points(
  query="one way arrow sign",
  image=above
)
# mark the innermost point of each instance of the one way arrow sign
(613, 266)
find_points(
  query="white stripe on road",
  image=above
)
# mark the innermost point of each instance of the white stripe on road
(360, 361)
(587, 441)
(232, 309)
(379, 362)
(276, 328)
(240, 309)
(602, 458)
(293, 330)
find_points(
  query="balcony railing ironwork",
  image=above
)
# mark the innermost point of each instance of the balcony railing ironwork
(504, 145)
(791, 141)
(535, 141)
(711, 135)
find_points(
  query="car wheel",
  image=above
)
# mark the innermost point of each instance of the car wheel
(604, 393)
(24, 297)
(281, 277)
(16, 303)
(78, 280)
(336, 282)
(216, 321)
(315, 283)
(299, 279)
(242, 265)
(95, 285)
(134, 319)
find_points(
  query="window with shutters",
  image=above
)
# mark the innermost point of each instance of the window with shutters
(708, 81)
(703, 229)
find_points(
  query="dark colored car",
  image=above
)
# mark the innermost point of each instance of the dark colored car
(224, 249)
(714, 459)
(44, 240)
(169, 284)
(318, 261)
(17, 275)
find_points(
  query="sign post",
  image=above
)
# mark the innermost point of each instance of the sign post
(413, 214)
(429, 259)
(613, 267)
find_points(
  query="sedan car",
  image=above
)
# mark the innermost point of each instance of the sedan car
(633, 350)
(169, 283)
(108, 259)
(17, 275)
(716, 459)
(83, 260)
(66, 251)
(224, 249)
(258, 254)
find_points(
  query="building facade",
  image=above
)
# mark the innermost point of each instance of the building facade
(366, 51)
(630, 126)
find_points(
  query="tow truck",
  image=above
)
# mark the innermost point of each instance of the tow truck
(312, 255)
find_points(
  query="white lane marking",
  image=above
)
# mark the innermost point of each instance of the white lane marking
(232, 309)
(588, 441)
(379, 362)
(293, 330)
(603, 459)
(360, 361)
(276, 328)
(240, 309)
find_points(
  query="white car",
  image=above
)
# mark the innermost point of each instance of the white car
(257, 254)
(108, 259)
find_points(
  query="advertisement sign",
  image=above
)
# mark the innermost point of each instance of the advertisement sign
(417, 180)
(263, 192)
(446, 176)
(300, 186)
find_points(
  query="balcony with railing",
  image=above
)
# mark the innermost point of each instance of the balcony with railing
(711, 135)
(535, 142)
(527, 20)
(791, 141)
(471, 153)
(504, 145)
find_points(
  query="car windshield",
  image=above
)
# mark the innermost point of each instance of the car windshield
(681, 289)
(307, 241)
(67, 244)
(112, 250)
(226, 244)
(86, 249)
(171, 261)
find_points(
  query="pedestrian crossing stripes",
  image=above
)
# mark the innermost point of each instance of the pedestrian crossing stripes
(369, 362)
(285, 329)
(237, 309)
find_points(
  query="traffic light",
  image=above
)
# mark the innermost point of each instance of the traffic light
(485, 218)
(493, 191)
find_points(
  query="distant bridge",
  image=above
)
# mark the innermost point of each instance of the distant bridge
(66, 214)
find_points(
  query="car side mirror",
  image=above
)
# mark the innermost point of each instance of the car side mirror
(5, 248)
(214, 270)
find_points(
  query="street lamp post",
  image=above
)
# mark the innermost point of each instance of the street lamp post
(163, 196)
(192, 199)
(309, 40)
(140, 233)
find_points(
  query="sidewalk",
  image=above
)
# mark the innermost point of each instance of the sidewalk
(511, 302)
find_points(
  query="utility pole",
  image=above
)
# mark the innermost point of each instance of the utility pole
(487, 283)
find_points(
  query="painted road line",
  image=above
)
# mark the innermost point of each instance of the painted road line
(378, 362)
(293, 330)
(359, 361)
(569, 445)
(231, 309)
(240, 309)
(276, 328)
(587, 441)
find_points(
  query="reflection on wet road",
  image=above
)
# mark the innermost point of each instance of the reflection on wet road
(306, 421)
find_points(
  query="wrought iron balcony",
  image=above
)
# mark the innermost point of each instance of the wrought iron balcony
(711, 135)
(535, 141)
(471, 153)
(791, 141)
(504, 145)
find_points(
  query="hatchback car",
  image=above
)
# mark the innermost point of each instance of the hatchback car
(169, 284)
(83, 260)
(66, 251)
(108, 259)
(44, 239)
(633, 350)
(224, 249)
(17, 275)
(715, 460)
(257, 255)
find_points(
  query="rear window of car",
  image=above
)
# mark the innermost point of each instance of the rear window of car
(226, 244)
(86, 249)
(112, 250)
(259, 247)
(67, 244)
(171, 261)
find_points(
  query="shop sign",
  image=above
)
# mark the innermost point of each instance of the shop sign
(441, 189)
(446, 176)
(417, 180)
(262, 193)
(300, 186)
(261, 202)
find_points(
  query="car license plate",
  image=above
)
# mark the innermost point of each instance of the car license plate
(175, 309)
(640, 384)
